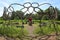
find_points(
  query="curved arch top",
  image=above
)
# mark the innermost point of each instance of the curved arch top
(30, 5)
(45, 3)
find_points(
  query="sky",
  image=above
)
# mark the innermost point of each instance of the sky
(6, 3)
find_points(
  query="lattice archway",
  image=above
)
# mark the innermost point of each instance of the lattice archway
(52, 16)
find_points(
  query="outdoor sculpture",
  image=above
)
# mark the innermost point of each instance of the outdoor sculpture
(52, 16)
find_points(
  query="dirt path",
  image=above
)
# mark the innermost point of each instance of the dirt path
(31, 29)
(2, 38)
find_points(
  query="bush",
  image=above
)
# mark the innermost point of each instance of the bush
(12, 31)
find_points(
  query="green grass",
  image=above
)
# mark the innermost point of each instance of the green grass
(44, 30)
(13, 31)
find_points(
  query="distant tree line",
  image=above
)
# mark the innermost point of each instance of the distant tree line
(37, 16)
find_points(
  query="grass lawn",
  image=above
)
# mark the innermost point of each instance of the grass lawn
(13, 31)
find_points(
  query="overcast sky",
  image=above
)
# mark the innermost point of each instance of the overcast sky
(6, 3)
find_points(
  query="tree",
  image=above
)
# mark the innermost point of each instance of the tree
(5, 14)
(17, 15)
(58, 13)
(13, 15)
(20, 14)
(40, 14)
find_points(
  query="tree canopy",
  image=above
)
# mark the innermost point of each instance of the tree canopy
(45, 13)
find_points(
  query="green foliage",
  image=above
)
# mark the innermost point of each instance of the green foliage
(12, 31)
(46, 30)
(37, 16)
